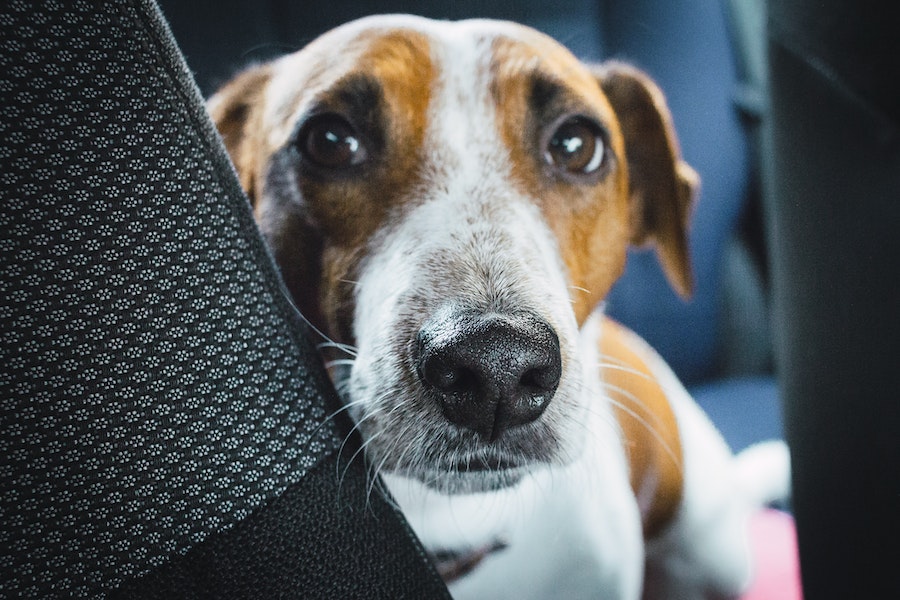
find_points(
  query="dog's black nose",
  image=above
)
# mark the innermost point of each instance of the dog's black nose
(490, 372)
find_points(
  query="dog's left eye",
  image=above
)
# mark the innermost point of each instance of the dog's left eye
(576, 147)
(329, 141)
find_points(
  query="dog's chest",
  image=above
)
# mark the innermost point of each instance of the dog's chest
(563, 532)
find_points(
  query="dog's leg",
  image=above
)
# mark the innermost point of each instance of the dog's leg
(705, 553)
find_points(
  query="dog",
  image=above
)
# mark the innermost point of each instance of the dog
(449, 203)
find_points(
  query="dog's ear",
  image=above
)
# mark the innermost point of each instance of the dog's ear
(233, 109)
(662, 186)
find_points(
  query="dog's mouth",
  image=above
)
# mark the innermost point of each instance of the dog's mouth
(452, 461)
(471, 477)
(486, 463)
(416, 443)
(483, 474)
(462, 462)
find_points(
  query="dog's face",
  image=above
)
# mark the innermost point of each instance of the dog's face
(453, 200)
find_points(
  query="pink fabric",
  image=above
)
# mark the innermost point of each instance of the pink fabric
(774, 541)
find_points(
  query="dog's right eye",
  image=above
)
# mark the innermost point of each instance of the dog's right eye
(330, 142)
(577, 148)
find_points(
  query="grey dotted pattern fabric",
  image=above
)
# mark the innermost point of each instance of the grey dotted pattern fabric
(153, 383)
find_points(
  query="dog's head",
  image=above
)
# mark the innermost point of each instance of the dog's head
(453, 200)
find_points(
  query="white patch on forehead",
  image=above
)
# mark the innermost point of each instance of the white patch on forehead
(462, 133)
(461, 108)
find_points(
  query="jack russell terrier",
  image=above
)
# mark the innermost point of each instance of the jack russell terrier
(449, 203)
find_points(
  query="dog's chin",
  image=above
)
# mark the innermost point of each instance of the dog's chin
(453, 482)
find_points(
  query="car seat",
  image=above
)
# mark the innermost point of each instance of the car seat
(166, 429)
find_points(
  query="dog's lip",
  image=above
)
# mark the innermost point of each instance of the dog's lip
(486, 463)
(477, 475)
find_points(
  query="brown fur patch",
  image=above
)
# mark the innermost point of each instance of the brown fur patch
(590, 221)
(318, 238)
(236, 110)
(353, 208)
(350, 210)
(662, 186)
(649, 429)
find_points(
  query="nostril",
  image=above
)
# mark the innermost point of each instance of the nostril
(466, 381)
(443, 374)
(535, 390)
(540, 379)
(437, 374)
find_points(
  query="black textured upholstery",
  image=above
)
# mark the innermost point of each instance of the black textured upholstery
(163, 424)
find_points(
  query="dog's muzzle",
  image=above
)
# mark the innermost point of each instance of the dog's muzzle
(489, 373)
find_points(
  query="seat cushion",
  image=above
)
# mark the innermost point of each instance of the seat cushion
(746, 410)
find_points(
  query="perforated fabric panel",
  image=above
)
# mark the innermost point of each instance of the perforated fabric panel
(154, 385)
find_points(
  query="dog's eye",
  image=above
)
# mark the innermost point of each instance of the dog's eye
(576, 147)
(329, 141)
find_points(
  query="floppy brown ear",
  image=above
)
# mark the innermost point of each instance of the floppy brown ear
(662, 186)
(234, 108)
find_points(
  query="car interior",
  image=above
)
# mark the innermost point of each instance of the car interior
(167, 427)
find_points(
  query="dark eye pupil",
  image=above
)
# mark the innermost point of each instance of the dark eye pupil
(332, 143)
(576, 147)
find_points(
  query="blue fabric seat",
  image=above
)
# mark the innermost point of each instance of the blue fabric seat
(688, 49)
(746, 409)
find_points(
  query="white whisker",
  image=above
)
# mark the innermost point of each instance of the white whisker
(615, 364)
(344, 408)
(345, 348)
(641, 420)
(375, 470)
(328, 342)
(367, 439)
(340, 362)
